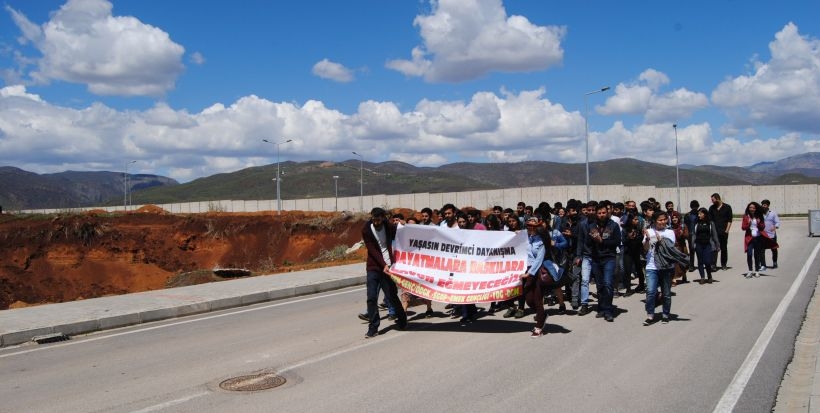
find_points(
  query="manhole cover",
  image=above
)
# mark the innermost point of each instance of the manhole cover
(253, 382)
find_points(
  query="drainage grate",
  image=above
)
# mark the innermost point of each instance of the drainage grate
(253, 382)
(49, 338)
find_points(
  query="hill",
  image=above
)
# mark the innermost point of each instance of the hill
(21, 189)
(315, 179)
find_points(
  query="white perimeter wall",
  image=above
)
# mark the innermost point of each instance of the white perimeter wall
(786, 199)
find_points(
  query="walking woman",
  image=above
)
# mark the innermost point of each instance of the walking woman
(530, 279)
(681, 234)
(513, 224)
(657, 276)
(706, 244)
(754, 225)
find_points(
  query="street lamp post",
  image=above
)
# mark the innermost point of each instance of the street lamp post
(336, 188)
(125, 186)
(677, 166)
(586, 130)
(278, 174)
(361, 181)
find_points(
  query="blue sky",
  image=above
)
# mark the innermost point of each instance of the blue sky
(189, 89)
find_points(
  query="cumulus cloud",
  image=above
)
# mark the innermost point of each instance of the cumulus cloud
(644, 98)
(466, 39)
(332, 71)
(496, 127)
(113, 55)
(783, 92)
(696, 145)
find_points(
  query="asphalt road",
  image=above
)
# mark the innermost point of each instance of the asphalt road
(583, 364)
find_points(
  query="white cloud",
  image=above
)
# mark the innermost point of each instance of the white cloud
(466, 39)
(197, 58)
(332, 71)
(644, 98)
(19, 91)
(696, 145)
(654, 79)
(84, 43)
(504, 127)
(783, 92)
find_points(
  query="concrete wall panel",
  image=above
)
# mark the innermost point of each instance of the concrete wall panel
(436, 200)
(801, 198)
(464, 199)
(406, 201)
(530, 196)
(421, 200)
(315, 204)
(553, 194)
(495, 197)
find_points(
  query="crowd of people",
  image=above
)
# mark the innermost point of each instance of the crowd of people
(572, 244)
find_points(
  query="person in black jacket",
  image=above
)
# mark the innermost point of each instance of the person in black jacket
(690, 219)
(378, 235)
(720, 214)
(598, 241)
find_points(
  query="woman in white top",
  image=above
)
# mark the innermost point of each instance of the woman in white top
(657, 276)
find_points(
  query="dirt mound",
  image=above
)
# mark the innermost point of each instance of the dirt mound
(151, 209)
(46, 259)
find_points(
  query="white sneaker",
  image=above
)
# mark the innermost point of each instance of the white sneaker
(763, 268)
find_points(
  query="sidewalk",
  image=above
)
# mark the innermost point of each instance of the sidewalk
(800, 388)
(77, 317)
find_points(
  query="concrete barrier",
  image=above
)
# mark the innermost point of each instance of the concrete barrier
(785, 199)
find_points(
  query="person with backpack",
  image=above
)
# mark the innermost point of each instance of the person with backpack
(706, 243)
(690, 219)
(557, 263)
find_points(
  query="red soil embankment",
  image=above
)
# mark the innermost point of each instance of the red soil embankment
(47, 259)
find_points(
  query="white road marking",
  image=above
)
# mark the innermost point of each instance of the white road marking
(171, 403)
(283, 369)
(735, 389)
(176, 323)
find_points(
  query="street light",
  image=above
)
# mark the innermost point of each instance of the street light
(586, 130)
(336, 187)
(278, 175)
(125, 186)
(677, 167)
(361, 181)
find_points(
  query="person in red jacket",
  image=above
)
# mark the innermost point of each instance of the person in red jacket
(755, 241)
(378, 235)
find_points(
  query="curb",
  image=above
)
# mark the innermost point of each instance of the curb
(10, 338)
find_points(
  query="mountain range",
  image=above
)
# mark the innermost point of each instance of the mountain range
(21, 189)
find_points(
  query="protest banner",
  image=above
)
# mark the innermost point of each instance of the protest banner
(459, 266)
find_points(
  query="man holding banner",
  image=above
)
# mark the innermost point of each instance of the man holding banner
(378, 235)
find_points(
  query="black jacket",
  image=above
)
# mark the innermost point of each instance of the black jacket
(610, 234)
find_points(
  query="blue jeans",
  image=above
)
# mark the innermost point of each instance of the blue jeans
(604, 271)
(754, 250)
(664, 278)
(704, 253)
(586, 269)
(379, 280)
